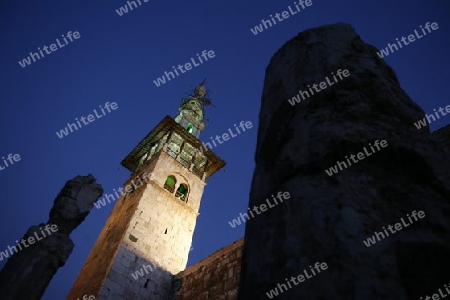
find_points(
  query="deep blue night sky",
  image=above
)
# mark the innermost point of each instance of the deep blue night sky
(117, 58)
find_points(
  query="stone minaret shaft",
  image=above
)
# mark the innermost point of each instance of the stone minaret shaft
(147, 238)
(327, 217)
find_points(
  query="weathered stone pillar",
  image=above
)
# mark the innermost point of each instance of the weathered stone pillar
(28, 272)
(327, 218)
(443, 135)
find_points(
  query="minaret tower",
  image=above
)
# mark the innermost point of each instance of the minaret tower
(147, 237)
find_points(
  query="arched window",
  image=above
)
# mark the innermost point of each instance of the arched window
(190, 128)
(170, 183)
(182, 192)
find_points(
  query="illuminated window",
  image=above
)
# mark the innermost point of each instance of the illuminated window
(190, 128)
(170, 183)
(182, 192)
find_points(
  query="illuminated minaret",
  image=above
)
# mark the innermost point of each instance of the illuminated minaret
(147, 237)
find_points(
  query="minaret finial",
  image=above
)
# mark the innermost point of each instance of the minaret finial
(199, 91)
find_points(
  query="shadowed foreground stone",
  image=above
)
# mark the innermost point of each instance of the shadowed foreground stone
(443, 135)
(327, 217)
(28, 272)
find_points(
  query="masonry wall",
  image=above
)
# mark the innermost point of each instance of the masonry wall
(94, 270)
(157, 242)
(163, 224)
(216, 277)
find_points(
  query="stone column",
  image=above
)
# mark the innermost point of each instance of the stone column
(28, 272)
(327, 218)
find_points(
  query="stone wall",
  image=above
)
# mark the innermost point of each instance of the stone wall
(216, 277)
(328, 217)
(94, 271)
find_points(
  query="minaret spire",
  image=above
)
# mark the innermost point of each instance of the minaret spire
(191, 114)
(199, 91)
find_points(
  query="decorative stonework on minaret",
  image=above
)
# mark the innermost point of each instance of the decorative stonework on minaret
(147, 238)
(191, 112)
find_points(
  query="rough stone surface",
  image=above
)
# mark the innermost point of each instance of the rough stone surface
(74, 203)
(327, 217)
(215, 277)
(149, 227)
(28, 272)
(443, 136)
